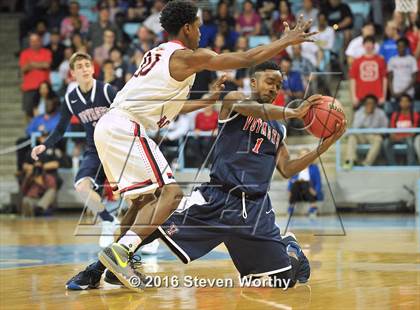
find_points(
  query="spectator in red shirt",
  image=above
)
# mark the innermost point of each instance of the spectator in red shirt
(249, 22)
(35, 64)
(368, 75)
(205, 121)
(405, 118)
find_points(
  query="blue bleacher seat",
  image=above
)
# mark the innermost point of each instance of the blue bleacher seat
(56, 81)
(90, 15)
(131, 29)
(258, 40)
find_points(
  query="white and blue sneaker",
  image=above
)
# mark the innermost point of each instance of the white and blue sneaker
(292, 246)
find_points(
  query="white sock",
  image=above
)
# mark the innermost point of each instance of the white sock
(131, 240)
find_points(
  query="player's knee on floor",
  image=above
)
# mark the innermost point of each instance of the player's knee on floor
(284, 280)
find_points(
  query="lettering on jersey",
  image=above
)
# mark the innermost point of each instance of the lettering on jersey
(257, 125)
(163, 122)
(92, 114)
(149, 61)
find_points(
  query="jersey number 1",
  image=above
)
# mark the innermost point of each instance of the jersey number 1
(257, 146)
(149, 61)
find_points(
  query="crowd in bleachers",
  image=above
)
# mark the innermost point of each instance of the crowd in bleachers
(380, 54)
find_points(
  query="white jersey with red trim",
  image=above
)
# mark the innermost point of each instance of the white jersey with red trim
(152, 97)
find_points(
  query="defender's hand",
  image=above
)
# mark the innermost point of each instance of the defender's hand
(303, 109)
(37, 150)
(298, 34)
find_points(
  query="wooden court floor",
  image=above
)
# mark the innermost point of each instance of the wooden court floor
(376, 265)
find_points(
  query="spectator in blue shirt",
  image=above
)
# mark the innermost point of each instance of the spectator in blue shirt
(208, 29)
(388, 48)
(48, 121)
(292, 80)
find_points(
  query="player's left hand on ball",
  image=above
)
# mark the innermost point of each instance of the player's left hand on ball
(340, 129)
(304, 107)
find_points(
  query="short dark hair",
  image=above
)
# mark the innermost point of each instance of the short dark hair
(369, 39)
(176, 14)
(406, 96)
(107, 62)
(267, 65)
(402, 40)
(370, 96)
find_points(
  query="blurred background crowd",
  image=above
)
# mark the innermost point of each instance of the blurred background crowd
(371, 45)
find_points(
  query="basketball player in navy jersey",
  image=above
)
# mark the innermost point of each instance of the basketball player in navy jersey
(151, 99)
(234, 208)
(88, 102)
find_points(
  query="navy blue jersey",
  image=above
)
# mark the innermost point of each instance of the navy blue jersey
(245, 153)
(87, 107)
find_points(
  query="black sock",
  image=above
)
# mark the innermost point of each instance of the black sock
(99, 266)
(106, 216)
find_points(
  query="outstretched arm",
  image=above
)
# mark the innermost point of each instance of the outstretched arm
(187, 62)
(236, 102)
(289, 167)
(207, 99)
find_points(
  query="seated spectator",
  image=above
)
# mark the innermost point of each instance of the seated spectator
(402, 71)
(355, 48)
(64, 68)
(96, 30)
(34, 63)
(41, 123)
(40, 184)
(120, 67)
(301, 64)
(306, 186)
(57, 50)
(369, 116)
(265, 9)
(413, 37)
(368, 75)
(208, 29)
(340, 18)
(205, 121)
(404, 118)
(229, 36)
(55, 14)
(42, 31)
(108, 75)
(134, 64)
(143, 42)
(101, 53)
(138, 11)
(285, 15)
(249, 22)
(292, 80)
(74, 19)
(78, 43)
(152, 22)
(309, 12)
(223, 16)
(45, 92)
(388, 47)
(325, 41)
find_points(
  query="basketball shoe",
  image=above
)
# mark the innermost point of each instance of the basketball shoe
(86, 279)
(292, 246)
(108, 231)
(124, 265)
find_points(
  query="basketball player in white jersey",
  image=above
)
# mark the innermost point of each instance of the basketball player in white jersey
(153, 97)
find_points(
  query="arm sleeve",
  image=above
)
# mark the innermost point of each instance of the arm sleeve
(58, 132)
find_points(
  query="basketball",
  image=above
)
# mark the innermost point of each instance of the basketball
(322, 118)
